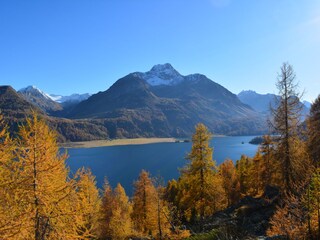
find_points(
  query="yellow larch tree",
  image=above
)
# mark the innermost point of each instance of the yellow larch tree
(290, 150)
(244, 169)
(230, 181)
(289, 219)
(164, 221)
(10, 213)
(256, 174)
(313, 123)
(87, 205)
(173, 198)
(144, 213)
(200, 181)
(120, 226)
(43, 188)
(314, 205)
(271, 169)
(106, 211)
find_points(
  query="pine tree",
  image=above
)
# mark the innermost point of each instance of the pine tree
(43, 187)
(144, 213)
(120, 226)
(88, 204)
(201, 183)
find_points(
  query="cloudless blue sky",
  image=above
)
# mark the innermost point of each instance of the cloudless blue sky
(78, 46)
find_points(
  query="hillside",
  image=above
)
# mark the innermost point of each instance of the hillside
(40, 99)
(164, 103)
(14, 107)
(262, 102)
(259, 102)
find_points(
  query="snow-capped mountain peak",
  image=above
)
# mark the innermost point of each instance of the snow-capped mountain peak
(55, 97)
(34, 90)
(162, 74)
(164, 70)
(71, 98)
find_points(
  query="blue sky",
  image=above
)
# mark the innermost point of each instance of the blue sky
(79, 46)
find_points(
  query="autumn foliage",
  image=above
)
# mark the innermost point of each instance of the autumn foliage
(40, 199)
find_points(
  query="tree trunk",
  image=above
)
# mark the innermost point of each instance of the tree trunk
(159, 217)
(37, 234)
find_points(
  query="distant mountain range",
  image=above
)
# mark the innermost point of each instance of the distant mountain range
(52, 104)
(40, 99)
(262, 102)
(75, 98)
(157, 103)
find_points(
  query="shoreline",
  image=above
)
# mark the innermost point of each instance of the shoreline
(116, 142)
(123, 142)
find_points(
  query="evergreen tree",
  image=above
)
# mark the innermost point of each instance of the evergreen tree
(201, 183)
(87, 205)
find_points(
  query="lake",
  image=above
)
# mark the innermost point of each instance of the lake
(124, 163)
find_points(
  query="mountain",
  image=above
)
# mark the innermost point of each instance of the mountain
(15, 108)
(259, 102)
(162, 102)
(13, 104)
(52, 104)
(40, 99)
(262, 102)
(74, 98)
(307, 104)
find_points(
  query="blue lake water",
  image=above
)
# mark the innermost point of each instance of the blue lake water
(124, 163)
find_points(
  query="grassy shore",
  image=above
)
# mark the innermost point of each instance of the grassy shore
(115, 142)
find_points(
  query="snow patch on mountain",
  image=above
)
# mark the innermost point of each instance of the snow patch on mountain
(162, 74)
(34, 89)
(31, 90)
(71, 98)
